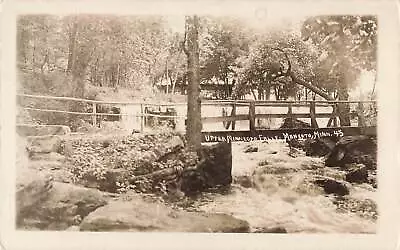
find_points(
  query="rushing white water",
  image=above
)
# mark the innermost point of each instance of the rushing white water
(283, 195)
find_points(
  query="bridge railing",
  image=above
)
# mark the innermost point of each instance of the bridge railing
(312, 113)
(228, 119)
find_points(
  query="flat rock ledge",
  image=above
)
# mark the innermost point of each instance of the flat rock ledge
(141, 216)
(41, 130)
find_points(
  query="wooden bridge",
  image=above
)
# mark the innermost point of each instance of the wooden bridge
(315, 130)
(240, 118)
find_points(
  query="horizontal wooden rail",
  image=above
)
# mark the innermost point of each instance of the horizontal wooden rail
(242, 102)
(62, 98)
(294, 105)
(294, 115)
(103, 114)
(225, 104)
(57, 111)
(230, 119)
(224, 118)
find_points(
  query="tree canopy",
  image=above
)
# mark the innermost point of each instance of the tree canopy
(325, 55)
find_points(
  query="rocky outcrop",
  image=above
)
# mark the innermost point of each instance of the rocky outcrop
(245, 181)
(332, 186)
(47, 205)
(353, 149)
(358, 174)
(138, 215)
(251, 149)
(43, 144)
(42, 130)
(274, 230)
(141, 163)
(214, 169)
(320, 146)
(294, 123)
(315, 147)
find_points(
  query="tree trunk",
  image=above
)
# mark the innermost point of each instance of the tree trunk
(311, 87)
(343, 108)
(72, 45)
(166, 74)
(22, 41)
(267, 92)
(193, 128)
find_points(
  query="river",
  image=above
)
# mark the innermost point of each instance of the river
(282, 194)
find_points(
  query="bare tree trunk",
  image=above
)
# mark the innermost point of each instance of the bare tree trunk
(311, 87)
(22, 42)
(344, 108)
(166, 74)
(193, 128)
(72, 45)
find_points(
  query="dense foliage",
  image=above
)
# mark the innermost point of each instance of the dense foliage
(111, 163)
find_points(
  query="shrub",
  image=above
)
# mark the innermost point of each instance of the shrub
(56, 83)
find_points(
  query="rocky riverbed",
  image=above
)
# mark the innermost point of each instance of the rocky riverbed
(274, 190)
(79, 183)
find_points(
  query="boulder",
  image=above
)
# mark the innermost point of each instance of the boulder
(245, 181)
(48, 205)
(353, 149)
(315, 147)
(42, 130)
(275, 230)
(214, 169)
(251, 149)
(32, 189)
(294, 123)
(358, 175)
(138, 215)
(171, 146)
(332, 186)
(43, 144)
(320, 146)
(57, 169)
(49, 157)
(66, 147)
(216, 164)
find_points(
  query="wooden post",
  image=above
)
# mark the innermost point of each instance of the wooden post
(141, 118)
(290, 115)
(233, 114)
(333, 117)
(361, 117)
(94, 118)
(329, 122)
(252, 116)
(314, 123)
(335, 109)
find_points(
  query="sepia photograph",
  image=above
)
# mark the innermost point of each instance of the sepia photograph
(196, 123)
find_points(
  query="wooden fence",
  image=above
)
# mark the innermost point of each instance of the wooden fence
(229, 119)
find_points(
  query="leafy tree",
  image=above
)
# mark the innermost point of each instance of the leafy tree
(347, 45)
(273, 61)
(223, 42)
